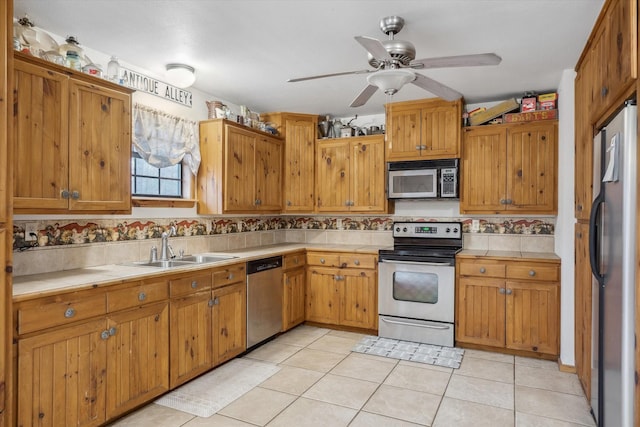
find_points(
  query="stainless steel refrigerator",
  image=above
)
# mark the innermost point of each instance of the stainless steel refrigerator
(612, 253)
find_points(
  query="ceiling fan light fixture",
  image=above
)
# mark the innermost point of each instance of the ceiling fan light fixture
(390, 81)
(181, 75)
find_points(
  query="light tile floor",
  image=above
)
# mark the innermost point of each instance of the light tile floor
(322, 383)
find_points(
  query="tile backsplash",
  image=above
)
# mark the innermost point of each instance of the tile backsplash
(61, 245)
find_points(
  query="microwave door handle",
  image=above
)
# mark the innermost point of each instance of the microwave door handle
(436, 264)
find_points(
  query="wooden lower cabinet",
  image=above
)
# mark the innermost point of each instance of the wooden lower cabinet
(346, 296)
(293, 296)
(138, 357)
(62, 376)
(509, 304)
(583, 307)
(229, 322)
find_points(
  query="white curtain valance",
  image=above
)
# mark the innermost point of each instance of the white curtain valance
(164, 140)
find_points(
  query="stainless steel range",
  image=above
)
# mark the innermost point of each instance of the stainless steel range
(416, 295)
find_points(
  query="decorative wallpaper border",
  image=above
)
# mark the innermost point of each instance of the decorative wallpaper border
(59, 233)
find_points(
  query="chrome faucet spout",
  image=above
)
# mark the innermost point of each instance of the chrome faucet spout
(165, 249)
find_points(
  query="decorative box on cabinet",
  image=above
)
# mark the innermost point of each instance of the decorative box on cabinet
(510, 168)
(300, 132)
(508, 304)
(241, 169)
(72, 140)
(342, 289)
(424, 129)
(350, 175)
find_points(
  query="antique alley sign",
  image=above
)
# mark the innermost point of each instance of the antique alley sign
(147, 84)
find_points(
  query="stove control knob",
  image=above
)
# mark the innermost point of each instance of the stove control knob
(455, 230)
(404, 229)
(448, 230)
(398, 229)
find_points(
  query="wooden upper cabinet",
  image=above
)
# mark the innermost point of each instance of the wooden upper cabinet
(72, 139)
(508, 168)
(583, 172)
(425, 129)
(241, 169)
(350, 175)
(299, 131)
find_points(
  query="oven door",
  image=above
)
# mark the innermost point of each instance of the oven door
(417, 290)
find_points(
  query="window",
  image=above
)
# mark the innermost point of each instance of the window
(150, 181)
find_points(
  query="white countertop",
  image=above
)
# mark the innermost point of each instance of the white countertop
(37, 285)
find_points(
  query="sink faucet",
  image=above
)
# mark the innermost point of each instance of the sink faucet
(165, 250)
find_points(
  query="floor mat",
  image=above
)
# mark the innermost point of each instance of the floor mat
(450, 357)
(207, 394)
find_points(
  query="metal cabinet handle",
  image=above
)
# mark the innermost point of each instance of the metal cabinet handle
(501, 291)
(322, 261)
(483, 270)
(194, 284)
(210, 303)
(579, 207)
(69, 312)
(338, 277)
(65, 194)
(356, 262)
(508, 202)
(142, 296)
(75, 195)
(509, 291)
(112, 331)
(418, 147)
(503, 201)
(289, 203)
(104, 335)
(230, 276)
(216, 301)
(532, 273)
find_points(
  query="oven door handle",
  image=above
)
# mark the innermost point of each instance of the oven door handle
(420, 325)
(435, 264)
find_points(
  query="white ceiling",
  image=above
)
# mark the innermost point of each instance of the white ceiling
(245, 50)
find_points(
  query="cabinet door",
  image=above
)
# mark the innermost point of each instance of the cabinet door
(332, 175)
(99, 148)
(322, 299)
(583, 308)
(403, 133)
(532, 316)
(293, 298)
(190, 337)
(368, 176)
(440, 130)
(268, 174)
(583, 141)
(620, 49)
(483, 186)
(532, 164)
(41, 138)
(299, 165)
(229, 322)
(138, 357)
(239, 178)
(358, 298)
(62, 376)
(480, 311)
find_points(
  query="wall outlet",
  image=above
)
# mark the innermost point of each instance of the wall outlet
(339, 223)
(475, 225)
(30, 231)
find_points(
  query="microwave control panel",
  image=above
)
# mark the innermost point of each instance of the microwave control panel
(448, 182)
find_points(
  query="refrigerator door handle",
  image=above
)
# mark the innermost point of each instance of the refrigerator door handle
(594, 249)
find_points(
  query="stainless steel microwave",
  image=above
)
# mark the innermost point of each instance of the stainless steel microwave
(423, 179)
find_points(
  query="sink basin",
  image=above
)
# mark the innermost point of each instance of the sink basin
(204, 259)
(183, 261)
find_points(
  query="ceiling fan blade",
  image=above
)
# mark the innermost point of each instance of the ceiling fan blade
(374, 47)
(436, 88)
(321, 76)
(457, 61)
(364, 96)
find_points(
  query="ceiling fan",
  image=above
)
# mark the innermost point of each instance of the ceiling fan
(394, 61)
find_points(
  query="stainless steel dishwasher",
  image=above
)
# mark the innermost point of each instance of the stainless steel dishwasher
(264, 299)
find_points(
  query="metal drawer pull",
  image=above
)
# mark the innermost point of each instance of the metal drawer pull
(69, 312)
(142, 296)
(230, 276)
(321, 260)
(338, 277)
(483, 270)
(501, 291)
(104, 335)
(532, 273)
(396, 322)
(194, 284)
(356, 262)
(112, 331)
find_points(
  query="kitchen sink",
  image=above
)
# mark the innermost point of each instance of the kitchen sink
(183, 261)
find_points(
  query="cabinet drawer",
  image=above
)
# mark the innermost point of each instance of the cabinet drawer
(191, 284)
(482, 268)
(358, 261)
(137, 294)
(324, 259)
(231, 274)
(293, 260)
(60, 311)
(534, 272)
